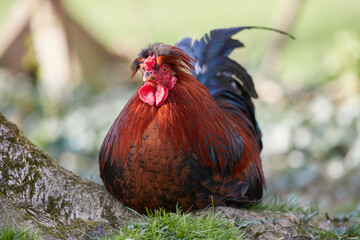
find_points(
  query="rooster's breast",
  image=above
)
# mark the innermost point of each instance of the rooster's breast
(156, 175)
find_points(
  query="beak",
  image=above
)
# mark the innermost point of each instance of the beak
(149, 76)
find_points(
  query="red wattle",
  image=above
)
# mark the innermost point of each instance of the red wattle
(147, 93)
(153, 93)
(161, 95)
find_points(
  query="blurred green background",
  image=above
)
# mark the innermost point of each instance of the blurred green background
(64, 77)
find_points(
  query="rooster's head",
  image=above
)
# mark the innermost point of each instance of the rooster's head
(159, 64)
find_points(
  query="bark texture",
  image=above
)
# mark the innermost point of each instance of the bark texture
(37, 192)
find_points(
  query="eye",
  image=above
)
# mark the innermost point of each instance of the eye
(165, 69)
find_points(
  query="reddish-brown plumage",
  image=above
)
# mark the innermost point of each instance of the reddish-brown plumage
(192, 150)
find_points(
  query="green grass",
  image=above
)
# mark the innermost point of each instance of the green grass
(15, 233)
(179, 225)
(343, 232)
(345, 226)
(275, 204)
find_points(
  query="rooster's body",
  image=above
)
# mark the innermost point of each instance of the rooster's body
(189, 135)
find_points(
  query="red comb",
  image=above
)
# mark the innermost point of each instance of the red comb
(150, 62)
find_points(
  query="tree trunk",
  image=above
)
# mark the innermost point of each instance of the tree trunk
(38, 193)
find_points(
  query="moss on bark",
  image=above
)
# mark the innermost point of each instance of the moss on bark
(45, 196)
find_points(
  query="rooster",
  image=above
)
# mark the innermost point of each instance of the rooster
(188, 137)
